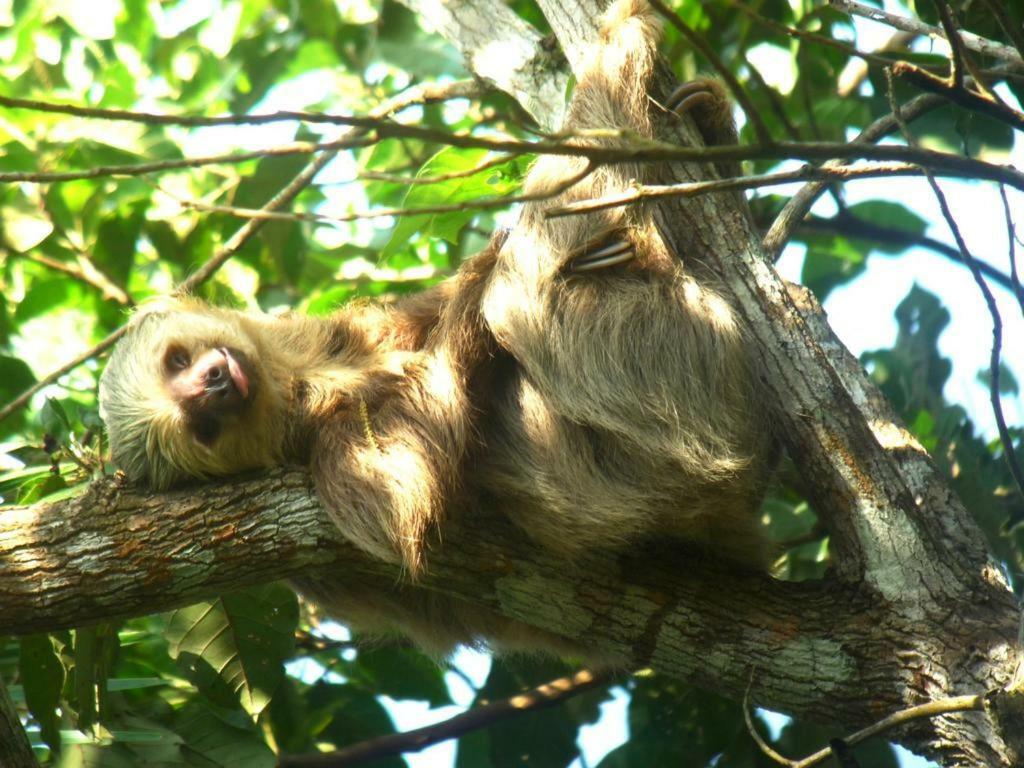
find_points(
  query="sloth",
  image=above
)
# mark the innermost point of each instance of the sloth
(576, 377)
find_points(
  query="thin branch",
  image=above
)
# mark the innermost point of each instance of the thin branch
(974, 42)
(849, 225)
(242, 235)
(694, 188)
(956, 58)
(142, 169)
(85, 272)
(800, 34)
(460, 89)
(965, 97)
(748, 719)
(1009, 452)
(959, 57)
(602, 153)
(50, 378)
(485, 165)
(541, 697)
(940, 162)
(800, 204)
(479, 204)
(931, 709)
(1011, 237)
(856, 70)
(764, 136)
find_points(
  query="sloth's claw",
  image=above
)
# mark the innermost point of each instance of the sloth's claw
(618, 252)
(689, 95)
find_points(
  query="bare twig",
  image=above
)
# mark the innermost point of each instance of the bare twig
(479, 204)
(856, 70)
(798, 206)
(974, 42)
(541, 697)
(459, 89)
(931, 709)
(694, 188)
(965, 97)
(801, 34)
(1011, 237)
(85, 272)
(143, 169)
(763, 745)
(601, 153)
(485, 165)
(50, 378)
(960, 59)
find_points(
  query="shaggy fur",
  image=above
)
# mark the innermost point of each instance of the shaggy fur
(595, 410)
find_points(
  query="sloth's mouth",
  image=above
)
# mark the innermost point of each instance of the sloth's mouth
(238, 375)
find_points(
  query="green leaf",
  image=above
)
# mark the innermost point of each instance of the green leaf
(349, 715)
(42, 677)
(85, 676)
(25, 228)
(44, 297)
(1007, 381)
(889, 214)
(222, 739)
(831, 261)
(673, 723)
(15, 378)
(546, 737)
(237, 643)
(54, 418)
(401, 673)
(40, 487)
(486, 184)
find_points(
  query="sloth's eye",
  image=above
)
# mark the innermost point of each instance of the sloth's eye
(176, 359)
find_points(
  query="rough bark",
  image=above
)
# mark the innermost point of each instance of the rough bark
(505, 51)
(828, 651)
(15, 750)
(913, 610)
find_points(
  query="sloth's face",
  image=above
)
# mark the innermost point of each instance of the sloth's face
(183, 396)
(212, 385)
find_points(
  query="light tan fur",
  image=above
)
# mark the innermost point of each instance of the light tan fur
(594, 410)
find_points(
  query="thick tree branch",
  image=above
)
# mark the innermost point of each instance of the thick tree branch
(117, 551)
